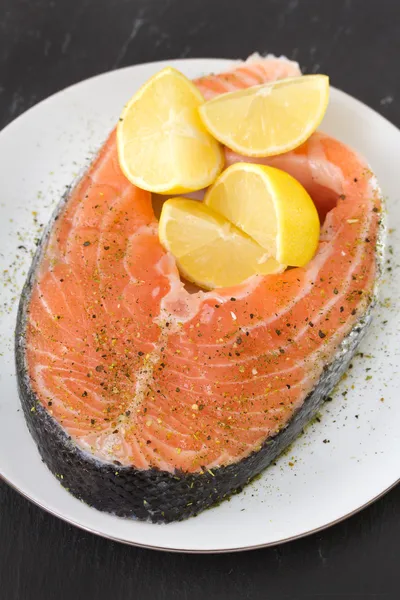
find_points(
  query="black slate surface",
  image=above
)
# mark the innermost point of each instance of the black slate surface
(46, 45)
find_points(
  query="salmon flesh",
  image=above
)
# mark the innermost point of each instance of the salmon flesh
(152, 402)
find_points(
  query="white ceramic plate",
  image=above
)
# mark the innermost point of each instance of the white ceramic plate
(316, 483)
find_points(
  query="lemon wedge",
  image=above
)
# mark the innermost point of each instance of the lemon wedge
(208, 249)
(163, 145)
(271, 207)
(268, 119)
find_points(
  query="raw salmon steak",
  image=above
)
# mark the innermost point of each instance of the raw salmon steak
(149, 401)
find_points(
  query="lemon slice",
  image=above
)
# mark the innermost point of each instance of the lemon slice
(163, 145)
(271, 207)
(268, 119)
(208, 250)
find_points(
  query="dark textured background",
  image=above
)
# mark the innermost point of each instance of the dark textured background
(46, 45)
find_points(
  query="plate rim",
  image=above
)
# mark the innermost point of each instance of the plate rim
(83, 527)
(200, 60)
(200, 551)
